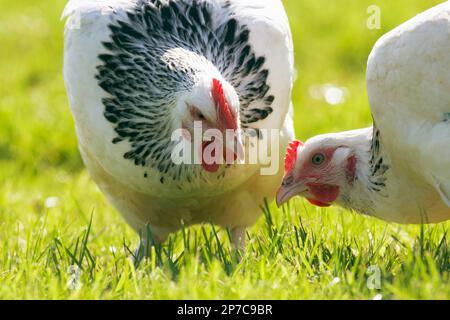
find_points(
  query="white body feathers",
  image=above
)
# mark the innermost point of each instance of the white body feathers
(408, 81)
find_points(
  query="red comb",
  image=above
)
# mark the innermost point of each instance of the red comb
(291, 156)
(224, 114)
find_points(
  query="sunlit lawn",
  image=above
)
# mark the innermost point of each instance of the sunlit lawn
(47, 249)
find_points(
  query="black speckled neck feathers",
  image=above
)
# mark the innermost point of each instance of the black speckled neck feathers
(143, 84)
(377, 163)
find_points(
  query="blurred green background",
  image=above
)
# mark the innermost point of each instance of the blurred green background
(46, 196)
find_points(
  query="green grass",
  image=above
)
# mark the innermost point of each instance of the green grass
(79, 247)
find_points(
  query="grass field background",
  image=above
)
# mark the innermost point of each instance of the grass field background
(51, 249)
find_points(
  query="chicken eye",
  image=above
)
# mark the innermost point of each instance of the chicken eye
(318, 159)
(196, 113)
(200, 116)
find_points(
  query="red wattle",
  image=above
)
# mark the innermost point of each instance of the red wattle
(230, 152)
(318, 203)
(323, 194)
(213, 167)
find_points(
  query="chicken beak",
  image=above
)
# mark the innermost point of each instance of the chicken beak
(288, 191)
(240, 149)
(234, 150)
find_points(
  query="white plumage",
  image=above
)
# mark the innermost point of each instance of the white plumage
(399, 170)
(408, 83)
(136, 69)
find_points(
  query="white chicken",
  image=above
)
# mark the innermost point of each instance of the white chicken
(138, 70)
(399, 169)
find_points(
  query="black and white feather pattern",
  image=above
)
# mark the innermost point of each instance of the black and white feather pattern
(143, 84)
(377, 164)
(122, 87)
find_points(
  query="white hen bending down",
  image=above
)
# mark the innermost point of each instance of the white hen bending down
(399, 170)
(136, 70)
